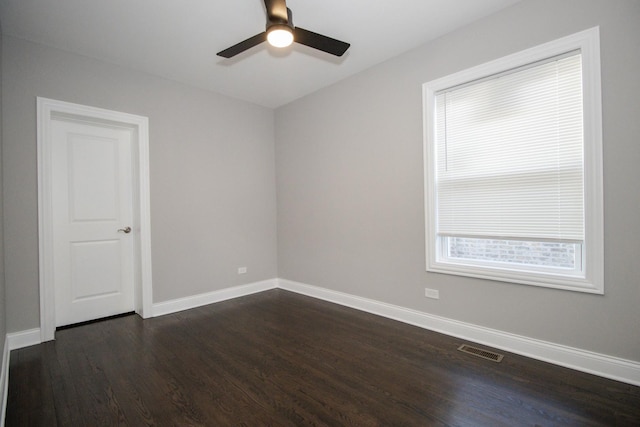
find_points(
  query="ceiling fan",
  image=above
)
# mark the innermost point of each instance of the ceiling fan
(280, 32)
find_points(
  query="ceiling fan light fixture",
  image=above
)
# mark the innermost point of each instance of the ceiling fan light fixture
(280, 35)
(280, 32)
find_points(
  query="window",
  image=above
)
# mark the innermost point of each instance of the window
(513, 168)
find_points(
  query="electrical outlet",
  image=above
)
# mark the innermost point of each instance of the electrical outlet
(432, 293)
(242, 270)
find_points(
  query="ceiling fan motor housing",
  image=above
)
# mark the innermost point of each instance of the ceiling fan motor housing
(273, 24)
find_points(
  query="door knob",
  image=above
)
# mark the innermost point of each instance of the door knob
(125, 230)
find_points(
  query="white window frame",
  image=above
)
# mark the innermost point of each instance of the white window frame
(591, 278)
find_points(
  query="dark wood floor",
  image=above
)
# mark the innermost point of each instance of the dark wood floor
(281, 359)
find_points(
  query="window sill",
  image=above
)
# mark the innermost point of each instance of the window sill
(547, 280)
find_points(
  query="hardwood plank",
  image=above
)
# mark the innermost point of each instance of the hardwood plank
(277, 358)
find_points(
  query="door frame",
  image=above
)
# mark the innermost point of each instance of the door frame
(47, 111)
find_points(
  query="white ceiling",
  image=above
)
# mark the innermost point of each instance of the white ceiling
(178, 39)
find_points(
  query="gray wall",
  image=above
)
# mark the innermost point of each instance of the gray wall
(212, 174)
(350, 183)
(349, 180)
(3, 329)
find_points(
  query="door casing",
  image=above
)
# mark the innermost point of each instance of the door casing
(47, 111)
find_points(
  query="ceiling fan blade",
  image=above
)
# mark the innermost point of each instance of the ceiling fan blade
(320, 42)
(276, 11)
(243, 45)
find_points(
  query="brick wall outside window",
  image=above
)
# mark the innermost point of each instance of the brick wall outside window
(550, 254)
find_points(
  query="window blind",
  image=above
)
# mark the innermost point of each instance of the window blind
(510, 155)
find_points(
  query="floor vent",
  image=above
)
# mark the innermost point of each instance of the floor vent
(485, 354)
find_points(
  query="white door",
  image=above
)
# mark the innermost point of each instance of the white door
(92, 215)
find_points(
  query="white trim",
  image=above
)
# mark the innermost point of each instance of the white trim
(618, 369)
(186, 303)
(23, 339)
(588, 42)
(14, 341)
(615, 368)
(4, 379)
(46, 110)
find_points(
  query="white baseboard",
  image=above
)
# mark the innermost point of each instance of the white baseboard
(602, 365)
(176, 305)
(22, 339)
(627, 371)
(14, 341)
(4, 379)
